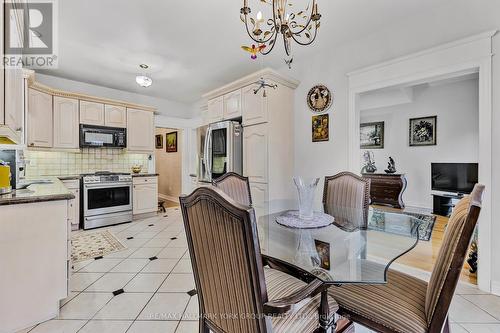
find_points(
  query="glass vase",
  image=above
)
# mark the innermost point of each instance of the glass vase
(306, 189)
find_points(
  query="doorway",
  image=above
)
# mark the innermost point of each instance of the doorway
(168, 162)
(462, 57)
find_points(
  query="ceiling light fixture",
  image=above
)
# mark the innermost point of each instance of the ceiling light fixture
(300, 27)
(143, 80)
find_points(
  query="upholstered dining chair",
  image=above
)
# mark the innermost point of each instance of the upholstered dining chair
(409, 305)
(236, 186)
(346, 196)
(236, 292)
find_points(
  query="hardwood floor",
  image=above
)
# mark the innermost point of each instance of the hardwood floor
(424, 255)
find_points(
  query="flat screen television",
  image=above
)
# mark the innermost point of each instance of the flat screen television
(454, 177)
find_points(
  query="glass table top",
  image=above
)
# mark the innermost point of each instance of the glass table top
(342, 252)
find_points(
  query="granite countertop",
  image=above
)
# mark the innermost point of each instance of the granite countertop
(70, 177)
(38, 193)
(145, 175)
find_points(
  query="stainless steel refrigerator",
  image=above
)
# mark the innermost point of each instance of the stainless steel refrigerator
(220, 150)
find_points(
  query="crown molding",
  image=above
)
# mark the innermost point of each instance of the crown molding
(30, 77)
(266, 73)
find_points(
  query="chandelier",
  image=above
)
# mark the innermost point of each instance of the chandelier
(300, 27)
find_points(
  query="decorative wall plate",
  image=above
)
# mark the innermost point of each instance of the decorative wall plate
(319, 98)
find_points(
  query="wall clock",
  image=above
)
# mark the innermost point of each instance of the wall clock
(319, 98)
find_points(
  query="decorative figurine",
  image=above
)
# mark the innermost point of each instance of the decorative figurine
(253, 50)
(391, 166)
(369, 162)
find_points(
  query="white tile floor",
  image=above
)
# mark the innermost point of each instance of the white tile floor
(156, 299)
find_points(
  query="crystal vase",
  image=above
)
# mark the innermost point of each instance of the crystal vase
(306, 255)
(306, 189)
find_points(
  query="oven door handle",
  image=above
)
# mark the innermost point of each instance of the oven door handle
(98, 186)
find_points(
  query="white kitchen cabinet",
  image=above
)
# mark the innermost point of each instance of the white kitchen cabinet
(115, 116)
(40, 119)
(14, 99)
(255, 153)
(140, 131)
(91, 113)
(145, 195)
(216, 109)
(232, 105)
(2, 73)
(254, 109)
(73, 204)
(66, 123)
(260, 197)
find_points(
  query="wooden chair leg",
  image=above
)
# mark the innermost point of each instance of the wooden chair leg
(203, 327)
(446, 328)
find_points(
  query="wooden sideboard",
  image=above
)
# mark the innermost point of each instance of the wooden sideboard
(387, 189)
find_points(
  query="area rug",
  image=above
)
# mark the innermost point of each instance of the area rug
(425, 228)
(89, 245)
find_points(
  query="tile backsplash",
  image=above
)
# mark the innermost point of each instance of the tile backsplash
(51, 163)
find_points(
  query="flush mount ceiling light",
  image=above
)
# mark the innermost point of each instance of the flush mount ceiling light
(143, 80)
(300, 26)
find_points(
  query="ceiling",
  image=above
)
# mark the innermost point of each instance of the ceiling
(193, 46)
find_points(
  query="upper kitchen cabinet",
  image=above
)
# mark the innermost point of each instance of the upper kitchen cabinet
(91, 113)
(14, 99)
(40, 119)
(232, 105)
(140, 131)
(115, 116)
(216, 109)
(66, 127)
(254, 106)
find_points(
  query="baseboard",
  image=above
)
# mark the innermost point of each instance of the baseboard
(168, 197)
(495, 288)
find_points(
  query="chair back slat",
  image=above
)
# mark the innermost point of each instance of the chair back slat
(226, 260)
(346, 196)
(236, 186)
(451, 257)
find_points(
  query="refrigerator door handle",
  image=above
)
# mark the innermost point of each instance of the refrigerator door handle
(206, 155)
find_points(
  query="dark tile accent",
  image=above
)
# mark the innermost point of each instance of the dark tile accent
(118, 292)
(165, 215)
(130, 237)
(99, 257)
(150, 225)
(173, 238)
(153, 258)
(192, 292)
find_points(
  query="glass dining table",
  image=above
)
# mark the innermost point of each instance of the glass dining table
(356, 248)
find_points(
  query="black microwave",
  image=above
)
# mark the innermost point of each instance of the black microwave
(102, 137)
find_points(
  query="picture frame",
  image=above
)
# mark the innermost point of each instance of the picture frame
(319, 98)
(423, 131)
(323, 249)
(320, 128)
(171, 142)
(159, 141)
(372, 135)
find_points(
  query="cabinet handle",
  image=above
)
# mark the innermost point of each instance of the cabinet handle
(19, 129)
(32, 144)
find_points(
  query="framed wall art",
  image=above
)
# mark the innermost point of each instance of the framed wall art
(319, 98)
(320, 128)
(371, 135)
(423, 131)
(171, 143)
(159, 141)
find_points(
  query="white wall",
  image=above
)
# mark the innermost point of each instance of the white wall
(164, 107)
(457, 107)
(409, 35)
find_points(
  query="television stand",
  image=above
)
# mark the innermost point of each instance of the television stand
(443, 204)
